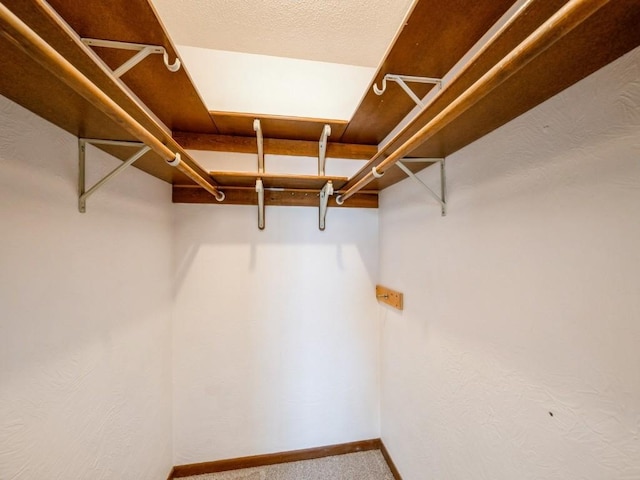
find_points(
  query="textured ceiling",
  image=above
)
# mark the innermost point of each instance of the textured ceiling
(353, 32)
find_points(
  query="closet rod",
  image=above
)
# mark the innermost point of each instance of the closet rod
(16, 31)
(560, 24)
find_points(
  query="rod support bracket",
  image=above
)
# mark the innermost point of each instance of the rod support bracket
(442, 198)
(83, 192)
(402, 81)
(176, 161)
(375, 173)
(325, 193)
(260, 192)
(322, 149)
(257, 127)
(143, 51)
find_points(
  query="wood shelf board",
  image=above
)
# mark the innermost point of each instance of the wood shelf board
(436, 35)
(172, 96)
(276, 180)
(272, 146)
(280, 127)
(34, 87)
(603, 38)
(289, 198)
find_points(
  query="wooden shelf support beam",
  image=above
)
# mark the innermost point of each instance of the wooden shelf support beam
(288, 197)
(272, 146)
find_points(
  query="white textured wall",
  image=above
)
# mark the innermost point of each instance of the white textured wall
(85, 349)
(275, 338)
(524, 301)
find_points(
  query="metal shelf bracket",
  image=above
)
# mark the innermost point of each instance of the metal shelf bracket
(260, 192)
(322, 148)
(257, 127)
(143, 52)
(442, 198)
(83, 193)
(325, 193)
(401, 80)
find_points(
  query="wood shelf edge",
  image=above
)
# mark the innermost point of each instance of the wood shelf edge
(283, 198)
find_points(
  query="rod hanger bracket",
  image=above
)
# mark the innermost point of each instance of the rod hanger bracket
(375, 173)
(402, 81)
(143, 52)
(325, 193)
(322, 149)
(176, 161)
(257, 127)
(83, 192)
(260, 192)
(442, 198)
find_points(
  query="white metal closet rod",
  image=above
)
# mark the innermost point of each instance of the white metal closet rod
(560, 24)
(33, 45)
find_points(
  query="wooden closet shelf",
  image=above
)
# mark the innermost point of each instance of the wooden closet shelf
(272, 146)
(276, 126)
(28, 83)
(284, 197)
(170, 95)
(276, 180)
(435, 37)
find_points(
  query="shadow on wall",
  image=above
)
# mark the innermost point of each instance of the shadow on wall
(290, 233)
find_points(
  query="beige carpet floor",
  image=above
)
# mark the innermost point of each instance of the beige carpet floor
(353, 466)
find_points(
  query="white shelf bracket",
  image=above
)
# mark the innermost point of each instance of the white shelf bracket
(401, 80)
(442, 198)
(83, 193)
(325, 193)
(322, 149)
(260, 192)
(375, 173)
(257, 127)
(260, 141)
(143, 52)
